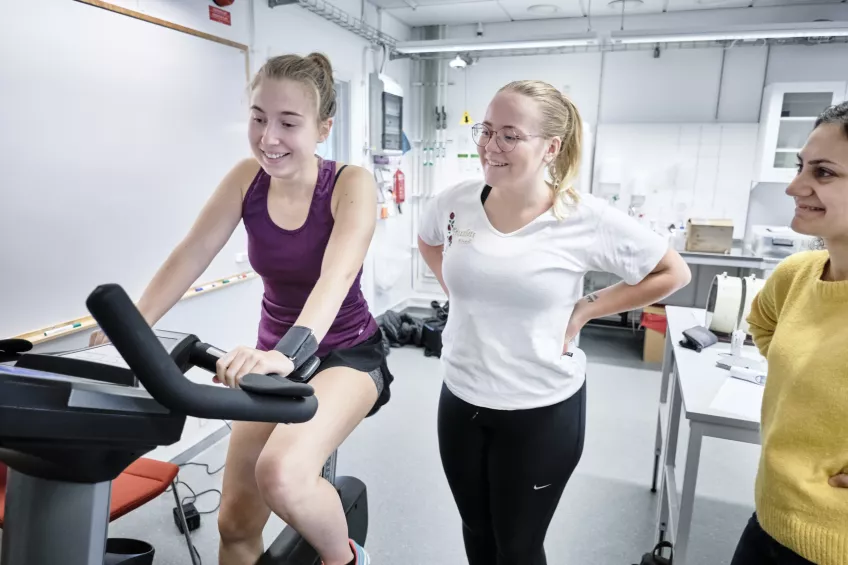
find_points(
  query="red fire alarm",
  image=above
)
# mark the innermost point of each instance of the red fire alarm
(223, 2)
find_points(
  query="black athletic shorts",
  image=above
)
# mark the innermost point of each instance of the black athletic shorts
(368, 357)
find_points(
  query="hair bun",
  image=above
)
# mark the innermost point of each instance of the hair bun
(322, 61)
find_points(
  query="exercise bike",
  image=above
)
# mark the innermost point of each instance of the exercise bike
(289, 548)
(70, 423)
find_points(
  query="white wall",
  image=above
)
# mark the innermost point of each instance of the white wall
(797, 63)
(576, 74)
(742, 84)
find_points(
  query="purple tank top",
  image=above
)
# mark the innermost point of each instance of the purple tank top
(289, 263)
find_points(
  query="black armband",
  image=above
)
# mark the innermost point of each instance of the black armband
(299, 344)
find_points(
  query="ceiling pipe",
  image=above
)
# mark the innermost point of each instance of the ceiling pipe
(617, 40)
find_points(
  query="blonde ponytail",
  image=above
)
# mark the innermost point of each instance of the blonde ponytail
(560, 118)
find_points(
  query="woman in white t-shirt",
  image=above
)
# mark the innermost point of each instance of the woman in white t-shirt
(511, 253)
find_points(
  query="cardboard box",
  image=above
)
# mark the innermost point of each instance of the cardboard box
(653, 320)
(709, 236)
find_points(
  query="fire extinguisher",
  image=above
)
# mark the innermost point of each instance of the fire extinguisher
(399, 189)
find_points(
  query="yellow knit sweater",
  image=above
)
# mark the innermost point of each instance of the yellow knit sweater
(800, 324)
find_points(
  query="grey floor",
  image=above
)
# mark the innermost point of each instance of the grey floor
(607, 513)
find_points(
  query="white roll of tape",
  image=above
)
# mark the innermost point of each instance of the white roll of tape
(751, 287)
(723, 304)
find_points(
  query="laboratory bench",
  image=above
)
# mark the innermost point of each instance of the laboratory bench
(694, 389)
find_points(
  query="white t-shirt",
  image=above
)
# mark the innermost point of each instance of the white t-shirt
(511, 295)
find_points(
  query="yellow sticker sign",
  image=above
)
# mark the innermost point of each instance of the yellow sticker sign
(466, 119)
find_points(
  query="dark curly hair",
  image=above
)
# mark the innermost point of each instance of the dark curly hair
(837, 114)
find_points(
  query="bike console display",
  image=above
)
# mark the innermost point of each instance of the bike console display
(103, 362)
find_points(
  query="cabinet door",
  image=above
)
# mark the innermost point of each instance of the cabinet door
(789, 113)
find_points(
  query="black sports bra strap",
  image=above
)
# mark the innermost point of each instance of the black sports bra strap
(339, 172)
(485, 194)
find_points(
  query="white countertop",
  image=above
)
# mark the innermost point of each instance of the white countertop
(700, 380)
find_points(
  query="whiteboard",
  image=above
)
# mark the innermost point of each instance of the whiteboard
(703, 170)
(113, 134)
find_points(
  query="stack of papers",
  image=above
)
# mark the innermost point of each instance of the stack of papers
(740, 398)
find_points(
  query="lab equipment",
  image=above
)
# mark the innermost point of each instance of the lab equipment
(776, 241)
(756, 376)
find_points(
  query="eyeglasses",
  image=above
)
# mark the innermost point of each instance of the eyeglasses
(506, 138)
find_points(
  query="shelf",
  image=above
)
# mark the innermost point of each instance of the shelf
(787, 115)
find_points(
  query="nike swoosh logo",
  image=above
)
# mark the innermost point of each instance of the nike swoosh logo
(539, 488)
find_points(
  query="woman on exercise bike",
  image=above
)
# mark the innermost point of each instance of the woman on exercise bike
(511, 253)
(309, 224)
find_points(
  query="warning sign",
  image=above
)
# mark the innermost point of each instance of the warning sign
(219, 15)
(466, 119)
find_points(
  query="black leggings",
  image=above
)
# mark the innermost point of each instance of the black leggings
(756, 547)
(507, 470)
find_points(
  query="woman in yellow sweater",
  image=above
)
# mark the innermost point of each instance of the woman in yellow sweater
(799, 321)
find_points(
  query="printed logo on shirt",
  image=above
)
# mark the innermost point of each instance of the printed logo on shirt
(462, 236)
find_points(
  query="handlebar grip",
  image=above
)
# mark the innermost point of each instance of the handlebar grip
(206, 357)
(113, 310)
(15, 345)
(275, 385)
(292, 385)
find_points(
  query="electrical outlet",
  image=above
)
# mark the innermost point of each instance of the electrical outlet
(241, 257)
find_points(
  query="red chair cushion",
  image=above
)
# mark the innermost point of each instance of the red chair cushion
(141, 482)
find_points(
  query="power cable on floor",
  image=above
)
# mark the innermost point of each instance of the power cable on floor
(192, 498)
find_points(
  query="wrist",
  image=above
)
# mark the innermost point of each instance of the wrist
(297, 345)
(280, 359)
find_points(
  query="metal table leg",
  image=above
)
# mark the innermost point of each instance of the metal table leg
(668, 488)
(657, 454)
(667, 368)
(668, 360)
(687, 501)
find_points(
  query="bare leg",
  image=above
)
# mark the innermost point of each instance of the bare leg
(243, 512)
(288, 469)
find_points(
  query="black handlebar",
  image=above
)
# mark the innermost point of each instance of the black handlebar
(206, 357)
(113, 310)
